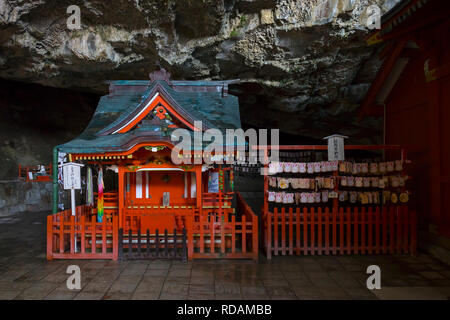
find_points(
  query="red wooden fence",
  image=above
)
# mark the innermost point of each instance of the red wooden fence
(357, 230)
(224, 235)
(81, 236)
(210, 232)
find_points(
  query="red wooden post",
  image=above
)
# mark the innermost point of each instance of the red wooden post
(266, 181)
(377, 230)
(327, 231)
(49, 236)
(212, 234)
(233, 234)
(384, 216)
(93, 235)
(269, 235)
(203, 222)
(121, 191)
(363, 230)
(319, 230)
(198, 176)
(341, 230)
(392, 229)
(72, 234)
(255, 238)
(305, 231)
(61, 231)
(406, 233)
(334, 235)
(83, 235)
(369, 231)
(115, 231)
(283, 231)
(297, 224)
(244, 234)
(291, 236)
(190, 233)
(349, 230)
(399, 237)
(104, 236)
(312, 227)
(275, 231)
(355, 230)
(222, 231)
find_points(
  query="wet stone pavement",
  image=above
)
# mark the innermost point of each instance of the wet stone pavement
(25, 274)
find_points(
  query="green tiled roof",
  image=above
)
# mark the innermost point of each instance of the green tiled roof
(199, 100)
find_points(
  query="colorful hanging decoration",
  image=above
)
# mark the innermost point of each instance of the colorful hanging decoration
(231, 181)
(100, 195)
(89, 187)
(221, 180)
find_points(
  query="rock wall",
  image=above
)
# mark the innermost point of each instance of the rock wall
(18, 196)
(34, 119)
(304, 65)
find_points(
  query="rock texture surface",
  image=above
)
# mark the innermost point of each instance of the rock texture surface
(19, 196)
(304, 66)
(34, 119)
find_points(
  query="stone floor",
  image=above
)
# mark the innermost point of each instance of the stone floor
(25, 274)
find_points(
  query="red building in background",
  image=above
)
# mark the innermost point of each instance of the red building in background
(412, 92)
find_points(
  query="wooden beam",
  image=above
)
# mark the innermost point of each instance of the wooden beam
(382, 75)
(418, 24)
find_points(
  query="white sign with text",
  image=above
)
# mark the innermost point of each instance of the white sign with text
(71, 175)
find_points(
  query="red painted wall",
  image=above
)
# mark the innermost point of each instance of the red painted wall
(418, 115)
(158, 186)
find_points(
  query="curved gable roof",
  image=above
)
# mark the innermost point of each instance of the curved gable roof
(206, 101)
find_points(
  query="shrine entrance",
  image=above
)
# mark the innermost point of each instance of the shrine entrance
(154, 193)
(157, 199)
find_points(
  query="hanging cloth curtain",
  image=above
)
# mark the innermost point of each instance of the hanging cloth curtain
(100, 195)
(89, 187)
(185, 195)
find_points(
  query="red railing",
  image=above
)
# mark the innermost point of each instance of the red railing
(110, 199)
(217, 199)
(81, 236)
(224, 235)
(211, 233)
(358, 230)
(36, 175)
(143, 217)
(338, 230)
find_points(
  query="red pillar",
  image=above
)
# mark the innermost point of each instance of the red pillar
(121, 192)
(198, 177)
